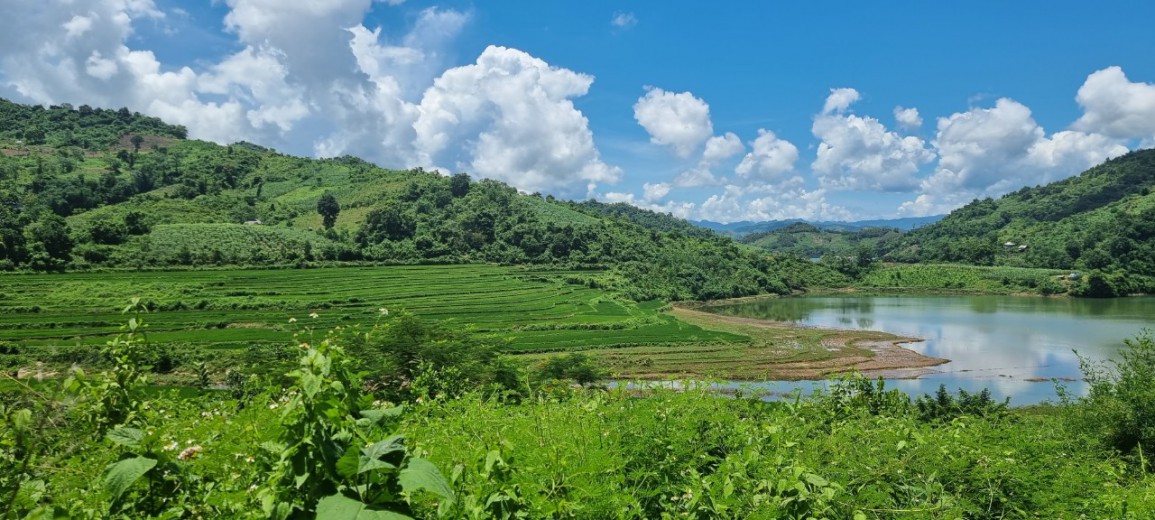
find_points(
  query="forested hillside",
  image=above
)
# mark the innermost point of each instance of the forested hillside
(810, 241)
(90, 188)
(1100, 223)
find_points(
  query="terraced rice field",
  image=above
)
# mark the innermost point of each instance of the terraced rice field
(534, 311)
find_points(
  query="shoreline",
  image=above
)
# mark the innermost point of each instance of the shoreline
(766, 351)
(870, 353)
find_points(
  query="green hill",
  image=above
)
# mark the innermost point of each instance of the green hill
(1100, 223)
(91, 188)
(810, 241)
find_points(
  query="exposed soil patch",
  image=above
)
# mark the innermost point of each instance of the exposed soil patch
(775, 351)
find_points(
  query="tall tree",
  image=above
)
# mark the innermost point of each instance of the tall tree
(328, 207)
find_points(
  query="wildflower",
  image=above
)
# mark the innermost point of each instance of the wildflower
(383, 311)
(273, 406)
(190, 452)
(249, 458)
(314, 315)
(171, 446)
(292, 320)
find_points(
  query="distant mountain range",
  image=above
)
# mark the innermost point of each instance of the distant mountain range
(743, 228)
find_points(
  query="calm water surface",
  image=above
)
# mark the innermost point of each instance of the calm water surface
(996, 342)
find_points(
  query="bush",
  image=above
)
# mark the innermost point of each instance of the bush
(944, 407)
(1119, 409)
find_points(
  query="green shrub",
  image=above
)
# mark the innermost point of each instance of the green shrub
(944, 407)
(1119, 409)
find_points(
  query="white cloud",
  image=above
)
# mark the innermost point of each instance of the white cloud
(722, 147)
(696, 177)
(307, 68)
(623, 20)
(718, 149)
(859, 153)
(907, 118)
(675, 208)
(992, 151)
(840, 99)
(680, 121)
(737, 204)
(1115, 106)
(771, 160)
(656, 192)
(515, 111)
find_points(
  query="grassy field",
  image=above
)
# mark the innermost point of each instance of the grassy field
(534, 311)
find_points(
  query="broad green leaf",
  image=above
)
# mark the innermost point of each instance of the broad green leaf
(21, 419)
(275, 448)
(371, 455)
(816, 480)
(377, 415)
(29, 494)
(340, 507)
(127, 437)
(348, 464)
(422, 474)
(121, 475)
(381, 448)
(310, 384)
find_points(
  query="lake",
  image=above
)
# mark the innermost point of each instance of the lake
(1012, 345)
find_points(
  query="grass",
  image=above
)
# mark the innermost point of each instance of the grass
(533, 311)
(534, 314)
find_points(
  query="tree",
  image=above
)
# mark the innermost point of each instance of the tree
(53, 233)
(459, 185)
(136, 142)
(328, 207)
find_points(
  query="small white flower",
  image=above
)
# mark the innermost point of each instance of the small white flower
(249, 458)
(314, 315)
(383, 311)
(292, 320)
(190, 453)
(171, 446)
(273, 406)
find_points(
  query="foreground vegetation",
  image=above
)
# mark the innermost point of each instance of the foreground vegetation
(374, 424)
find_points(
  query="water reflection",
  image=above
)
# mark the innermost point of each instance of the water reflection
(1013, 345)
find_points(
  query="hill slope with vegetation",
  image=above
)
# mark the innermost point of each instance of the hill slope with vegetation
(1100, 223)
(91, 188)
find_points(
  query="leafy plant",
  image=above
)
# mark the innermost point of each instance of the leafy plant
(944, 407)
(1119, 408)
(331, 459)
(114, 397)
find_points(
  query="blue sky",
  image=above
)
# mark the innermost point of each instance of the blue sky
(723, 111)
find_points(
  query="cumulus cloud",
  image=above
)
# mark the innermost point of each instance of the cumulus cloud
(680, 121)
(655, 192)
(771, 160)
(907, 118)
(311, 75)
(679, 209)
(840, 99)
(860, 153)
(718, 149)
(1116, 107)
(516, 112)
(722, 147)
(991, 151)
(737, 203)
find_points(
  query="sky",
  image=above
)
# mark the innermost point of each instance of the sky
(723, 111)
